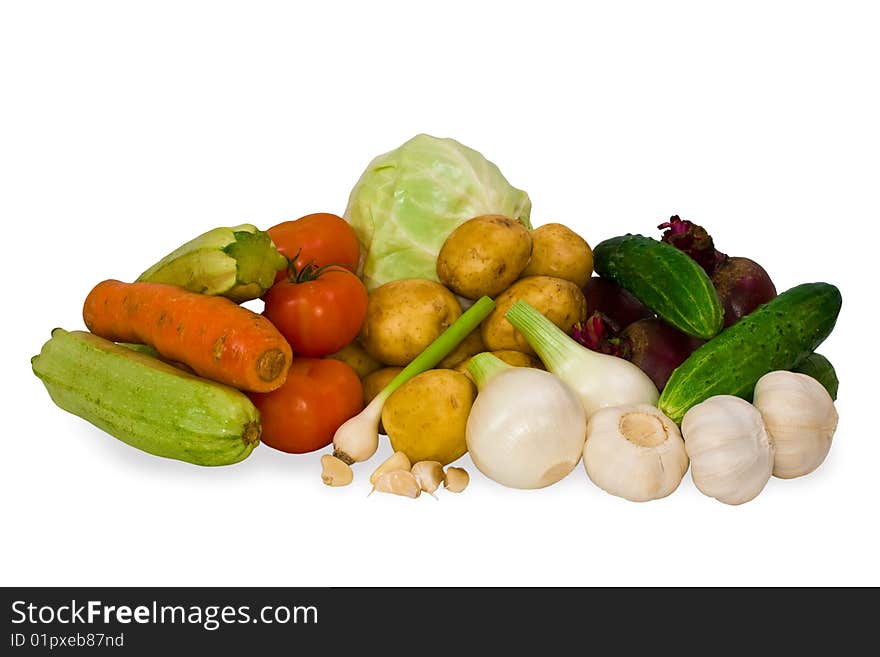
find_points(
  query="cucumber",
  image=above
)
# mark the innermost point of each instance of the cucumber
(663, 278)
(776, 336)
(146, 403)
(821, 369)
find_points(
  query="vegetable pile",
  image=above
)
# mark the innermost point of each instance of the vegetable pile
(433, 313)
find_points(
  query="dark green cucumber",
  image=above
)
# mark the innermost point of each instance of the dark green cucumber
(146, 403)
(776, 336)
(666, 280)
(821, 369)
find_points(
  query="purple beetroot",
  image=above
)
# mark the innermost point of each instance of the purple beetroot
(742, 284)
(694, 240)
(652, 344)
(657, 348)
(614, 303)
(599, 333)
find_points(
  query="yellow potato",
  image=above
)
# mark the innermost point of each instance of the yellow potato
(484, 256)
(470, 346)
(375, 383)
(404, 317)
(357, 358)
(559, 251)
(515, 358)
(561, 301)
(425, 418)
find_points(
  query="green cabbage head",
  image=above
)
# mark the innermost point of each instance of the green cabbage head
(408, 201)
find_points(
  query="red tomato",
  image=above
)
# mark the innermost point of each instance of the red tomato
(318, 316)
(304, 413)
(323, 238)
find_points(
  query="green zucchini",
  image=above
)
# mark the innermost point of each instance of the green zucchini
(145, 349)
(148, 350)
(666, 280)
(776, 336)
(238, 263)
(146, 403)
(821, 369)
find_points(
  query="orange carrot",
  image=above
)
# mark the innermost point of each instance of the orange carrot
(218, 339)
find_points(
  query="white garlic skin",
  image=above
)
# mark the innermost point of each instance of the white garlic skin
(624, 466)
(800, 417)
(731, 454)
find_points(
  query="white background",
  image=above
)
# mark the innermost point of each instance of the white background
(128, 128)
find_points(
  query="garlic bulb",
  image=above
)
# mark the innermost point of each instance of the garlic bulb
(634, 452)
(800, 417)
(731, 454)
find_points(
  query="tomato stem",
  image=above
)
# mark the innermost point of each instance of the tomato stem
(309, 271)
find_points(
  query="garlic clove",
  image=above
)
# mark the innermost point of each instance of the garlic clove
(335, 472)
(800, 418)
(398, 482)
(456, 479)
(731, 454)
(429, 474)
(634, 452)
(397, 461)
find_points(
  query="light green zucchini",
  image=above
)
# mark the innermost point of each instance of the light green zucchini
(146, 403)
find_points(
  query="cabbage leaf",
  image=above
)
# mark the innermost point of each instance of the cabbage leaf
(409, 200)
